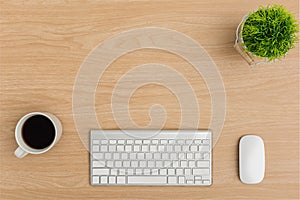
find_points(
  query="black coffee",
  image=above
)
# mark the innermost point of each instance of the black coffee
(38, 132)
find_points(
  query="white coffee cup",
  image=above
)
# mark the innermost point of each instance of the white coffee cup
(24, 148)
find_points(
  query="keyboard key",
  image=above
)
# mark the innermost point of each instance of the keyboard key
(118, 163)
(181, 179)
(126, 163)
(182, 156)
(203, 163)
(101, 172)
(134, 163)
(147, 171)
(140, 156)
(120, 148)
(197, 141)
(148, 156)
(204, 148)
(96, 148)
(104, 141)
(103, 148)
(114, 172)
(155, 141)
(177, 148)
(132, 156)
(188, 141)
(159, 163)
(192, 163)
(183, 163)
(200, 171)
(163, 171)
(143, 163)
(109, 163)
(122, 172)
(194, 148)
(154, 171)
(173, 156)
(180, 141)
(121, 180)
(153, 148)
(121, 141)
(205, 156)
(124, 156)
(98, 164)
(138, 171)
(151, 164)
(157, 156)
(147, 180)
(175, 164)
(146, 141)
(138, 142)
(116, 156)
(112, 142)
(169, 148)
(163, 141)
(145, 148)
(136, 148)
(129, 142)
(130, 171)
(165, 156)
(95, 179)
(189, 156)
(171, 171)
(198, 156)
(98, 156)
(187, 172)
(96, 142)
(111, 179)
(172, 180)
(179, 171)
(128, 148)
(112, 148)
(107, 156)
(103, 179)
(205, 141)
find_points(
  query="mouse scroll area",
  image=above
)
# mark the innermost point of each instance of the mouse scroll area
(251, 159)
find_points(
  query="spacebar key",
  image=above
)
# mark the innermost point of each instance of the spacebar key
(147, 180)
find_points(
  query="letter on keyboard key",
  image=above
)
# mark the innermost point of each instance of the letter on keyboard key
(147, 180)
(101, 172)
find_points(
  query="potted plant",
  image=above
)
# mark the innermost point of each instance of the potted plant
(266, 34)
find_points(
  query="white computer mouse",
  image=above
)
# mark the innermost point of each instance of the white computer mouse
(251, 159)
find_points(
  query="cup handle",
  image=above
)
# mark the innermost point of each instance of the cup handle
(20, 153)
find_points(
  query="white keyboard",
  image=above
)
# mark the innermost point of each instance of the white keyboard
(150, 157)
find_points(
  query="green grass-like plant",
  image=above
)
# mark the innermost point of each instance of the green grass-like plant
(270, 32)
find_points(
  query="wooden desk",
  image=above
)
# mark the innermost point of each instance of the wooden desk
(43, 44)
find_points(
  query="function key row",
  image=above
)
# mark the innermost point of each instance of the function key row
(154, 141)
(149, 148)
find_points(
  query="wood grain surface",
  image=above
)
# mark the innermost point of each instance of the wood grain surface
(43, 44)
